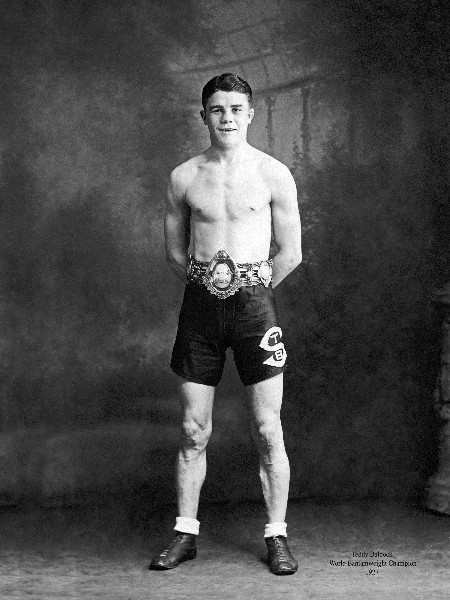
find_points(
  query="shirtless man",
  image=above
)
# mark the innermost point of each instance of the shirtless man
(221, 208)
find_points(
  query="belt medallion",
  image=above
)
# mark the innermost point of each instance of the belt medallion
(222, 275)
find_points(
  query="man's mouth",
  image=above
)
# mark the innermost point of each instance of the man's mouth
(227, 129)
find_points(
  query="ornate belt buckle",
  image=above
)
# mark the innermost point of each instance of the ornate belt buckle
(222, 275)
(265, 272)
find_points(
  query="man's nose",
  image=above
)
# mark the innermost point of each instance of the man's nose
(227, 116)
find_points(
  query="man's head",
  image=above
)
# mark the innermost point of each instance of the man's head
(227, 82)
(227, 110)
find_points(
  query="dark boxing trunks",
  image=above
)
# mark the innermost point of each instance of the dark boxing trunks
(245, 321)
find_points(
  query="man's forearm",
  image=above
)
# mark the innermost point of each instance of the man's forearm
(283, 264)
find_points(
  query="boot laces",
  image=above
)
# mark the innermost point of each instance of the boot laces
(280, 549)
(166, 551)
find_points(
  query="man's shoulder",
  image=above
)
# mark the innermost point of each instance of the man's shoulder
(188, 169)
(183, 175)
(271, 167)
(275, 165)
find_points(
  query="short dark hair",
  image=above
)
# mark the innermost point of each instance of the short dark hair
(227, 82)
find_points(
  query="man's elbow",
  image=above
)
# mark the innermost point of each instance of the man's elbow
(175, 260)
(297, 260)
(171, 259)
(295, 257)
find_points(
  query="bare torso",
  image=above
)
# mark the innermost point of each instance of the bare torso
(229, 206)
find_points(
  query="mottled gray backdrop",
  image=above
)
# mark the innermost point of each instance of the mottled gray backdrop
(99, 102)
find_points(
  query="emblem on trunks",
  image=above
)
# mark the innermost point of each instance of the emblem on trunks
(272, 343)
(222, 275)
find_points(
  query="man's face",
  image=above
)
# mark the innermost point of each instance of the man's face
(227, 115)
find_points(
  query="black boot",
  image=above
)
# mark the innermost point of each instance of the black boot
(182, 548)
(280, 559)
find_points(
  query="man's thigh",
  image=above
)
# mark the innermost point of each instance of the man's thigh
(265, 399)
(199, 351)
(257, 343)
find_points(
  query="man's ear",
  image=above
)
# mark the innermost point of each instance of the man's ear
(251, 113)
(203, 116)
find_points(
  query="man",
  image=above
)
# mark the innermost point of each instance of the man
(222, 206)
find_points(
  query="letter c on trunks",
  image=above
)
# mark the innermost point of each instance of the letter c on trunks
(272, 343)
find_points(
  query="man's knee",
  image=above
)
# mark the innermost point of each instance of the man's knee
(268, 436)
(195, 435)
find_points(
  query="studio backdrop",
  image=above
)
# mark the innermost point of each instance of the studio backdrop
(100, 100)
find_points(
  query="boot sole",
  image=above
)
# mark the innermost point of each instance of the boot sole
(281, 572)
(290, 572)
(189, 556)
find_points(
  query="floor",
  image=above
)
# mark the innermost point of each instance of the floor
(92, 553)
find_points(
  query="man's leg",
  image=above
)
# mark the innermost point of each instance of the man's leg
(197, 403)
(265, 400)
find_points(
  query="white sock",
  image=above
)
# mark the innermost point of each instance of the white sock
(273, 529)
(187, 525)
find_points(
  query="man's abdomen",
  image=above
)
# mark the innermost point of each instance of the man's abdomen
(245, 240)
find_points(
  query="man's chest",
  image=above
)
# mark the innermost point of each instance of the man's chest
(216, 195)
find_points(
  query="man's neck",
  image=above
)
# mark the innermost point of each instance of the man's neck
(228, 156)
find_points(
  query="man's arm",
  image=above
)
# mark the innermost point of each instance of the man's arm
(177, 225)
(286, 223)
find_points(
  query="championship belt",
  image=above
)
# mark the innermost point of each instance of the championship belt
(222, 275)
